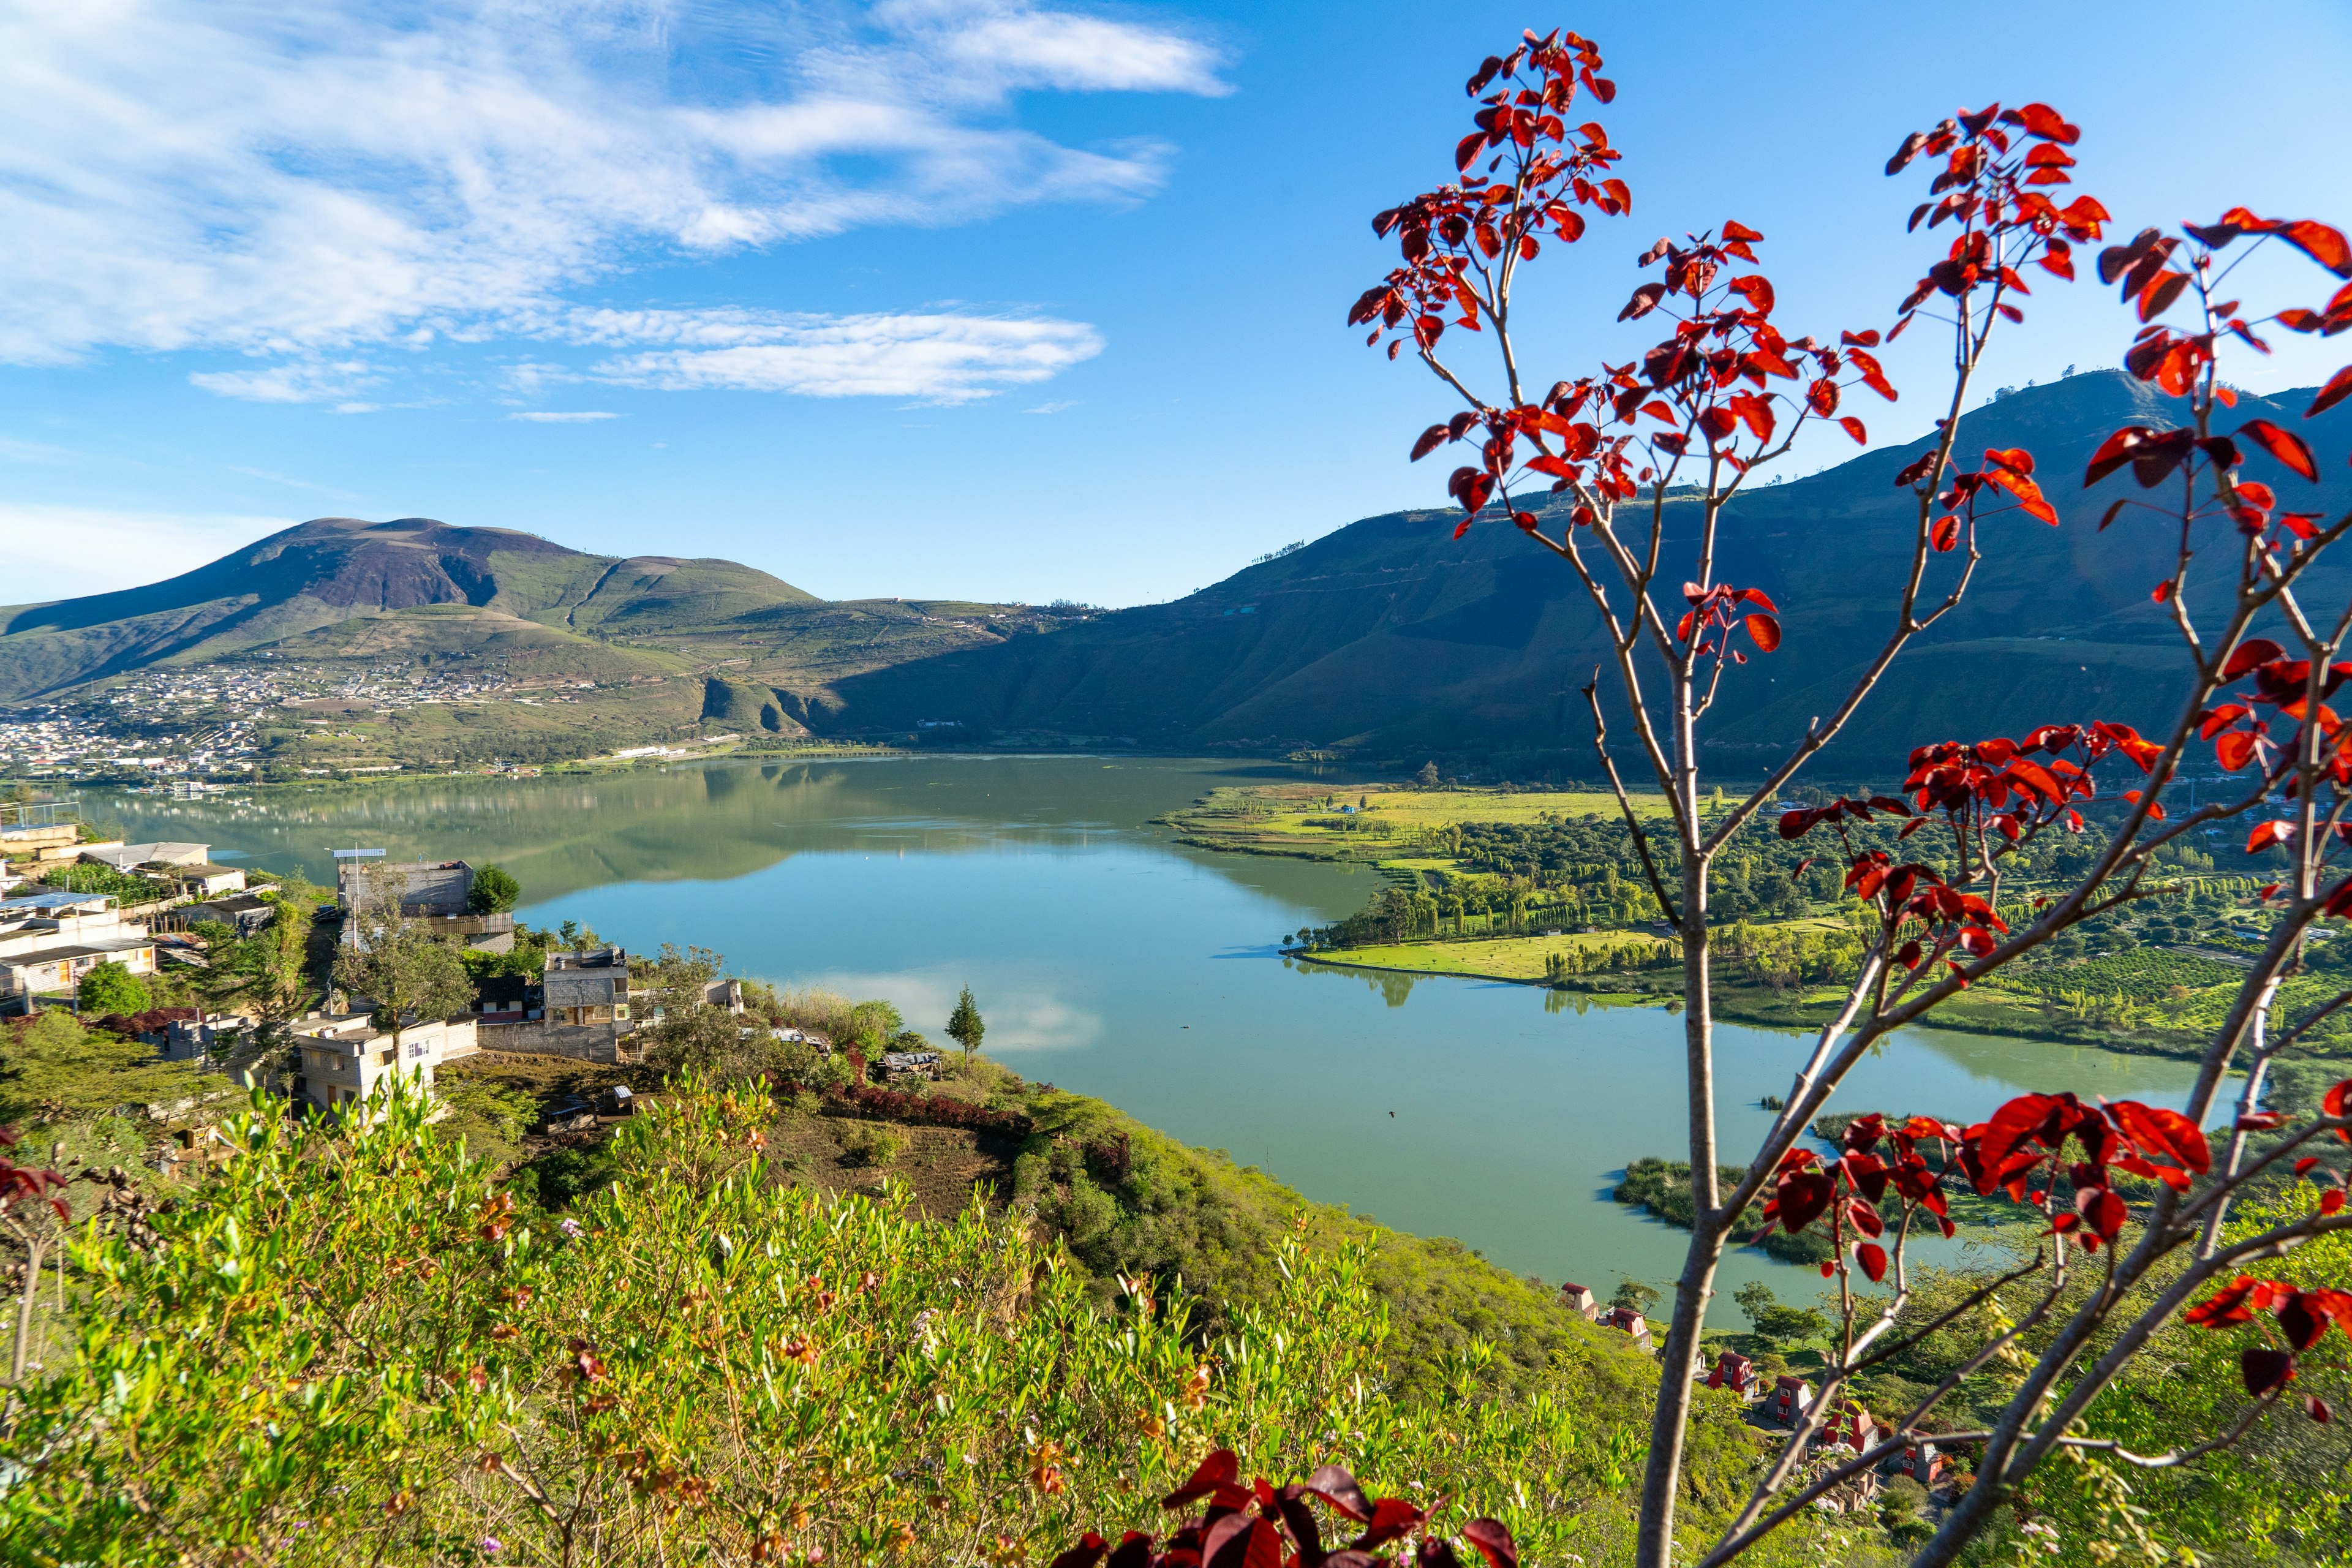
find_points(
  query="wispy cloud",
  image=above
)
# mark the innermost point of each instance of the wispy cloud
(290, 482)
(563, 416)
(938, 357)
(294, 381)
(300, 181)
(64, 551)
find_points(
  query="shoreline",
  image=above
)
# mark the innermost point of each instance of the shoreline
(1728, 1009)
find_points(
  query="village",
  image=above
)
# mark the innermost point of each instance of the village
(208, 720)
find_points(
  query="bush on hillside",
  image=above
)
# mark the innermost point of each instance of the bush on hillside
(721, 1368)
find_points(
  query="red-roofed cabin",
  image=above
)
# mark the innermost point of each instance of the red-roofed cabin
(1578, 1298)
(1735, 1372)
(1786, 1404)
(1850, 1426)
(1923, 1464)
(1626, 1320)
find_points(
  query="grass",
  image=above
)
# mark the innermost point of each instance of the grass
(1489, 958)
(1292, 819)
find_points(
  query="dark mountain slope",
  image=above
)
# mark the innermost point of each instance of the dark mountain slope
(1390, 636)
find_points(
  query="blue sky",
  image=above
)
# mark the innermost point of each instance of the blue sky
(945, 297)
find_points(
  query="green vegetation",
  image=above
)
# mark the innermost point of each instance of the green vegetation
(404, 972)
(110, 987)
(722, 1368)
(495, 891)
(53, 1070)
(965, 1025)
(267, 974)
(90, 877)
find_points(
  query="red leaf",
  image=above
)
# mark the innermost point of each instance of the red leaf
(2266, 834)
(2040, 120)
(1854, 428)
(2266, 1369)
(1429, 441)
(2226, 1307)
(1494, 1542)
(2162, 1131)
(2251, 654)
(2317, 1408)
(2285, 444)
(1335, 1486)
(1734, 229)
(2321, 243)
(1222, 1468)
(1873, 1258)
(2338, 388)
(1764, 630)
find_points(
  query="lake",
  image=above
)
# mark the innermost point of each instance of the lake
(1110, 960)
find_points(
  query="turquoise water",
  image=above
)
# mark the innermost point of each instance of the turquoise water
(1110, 960)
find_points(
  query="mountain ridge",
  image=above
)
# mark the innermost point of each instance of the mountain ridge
(1384, 637)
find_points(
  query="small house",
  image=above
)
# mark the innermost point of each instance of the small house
(1626, 1320)
(1577, 1298)
(247, 912)
(204, 879)
(1921, 1462)
(910, 1064)
(165, 857)
(1787, 1401)
(1850, 1426)
(1738, 1374)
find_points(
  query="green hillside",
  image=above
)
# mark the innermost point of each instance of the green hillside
(1388, 637)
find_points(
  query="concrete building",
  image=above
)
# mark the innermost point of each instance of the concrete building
(204, 879)
(432, 889)
(249, 912)
(49, 940)
(585, 988)
(345, 1058)
(132, 857)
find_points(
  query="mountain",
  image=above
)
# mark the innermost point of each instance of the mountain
(339, 586)
(1387, 636)
(1390, 638)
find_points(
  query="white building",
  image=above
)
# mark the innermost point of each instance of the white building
(49, 940)
(345, 1058)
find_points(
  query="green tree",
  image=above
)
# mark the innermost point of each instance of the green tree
(965, 1025)
(110, 987)
(1635, 1294)
(685, 1032)
(54, 1070)
(495, 891)
(406, 973)
(1427, 777)
(267, 974)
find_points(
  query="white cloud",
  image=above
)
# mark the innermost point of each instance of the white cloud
(567, 416)
(294, 381)
(304, 179)
(64, 551)
(942, 358)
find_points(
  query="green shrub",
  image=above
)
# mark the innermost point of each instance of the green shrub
(342, 1350)
(872, 1144)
